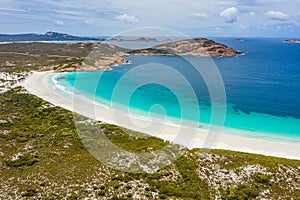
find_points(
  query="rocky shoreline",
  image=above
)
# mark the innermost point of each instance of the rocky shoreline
(198, 47)
(102, 64)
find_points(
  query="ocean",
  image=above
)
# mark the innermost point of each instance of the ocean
(262, 88)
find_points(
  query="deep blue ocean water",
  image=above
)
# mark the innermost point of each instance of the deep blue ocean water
(262, 87)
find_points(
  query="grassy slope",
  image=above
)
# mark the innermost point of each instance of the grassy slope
(30, 56)
(55, 164)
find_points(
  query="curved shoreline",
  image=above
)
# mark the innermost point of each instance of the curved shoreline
(36, 85)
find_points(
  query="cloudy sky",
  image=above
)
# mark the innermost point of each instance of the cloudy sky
(263, 18)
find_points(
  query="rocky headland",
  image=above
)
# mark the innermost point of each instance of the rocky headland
(200, 47)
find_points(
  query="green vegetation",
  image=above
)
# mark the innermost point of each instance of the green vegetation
(132, 141)
(29, 193)
(17, 57)
(22, 161)
(241, 192)
(262, 178)
(41, 153)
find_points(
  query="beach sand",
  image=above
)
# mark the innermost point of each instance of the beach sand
(215, 138)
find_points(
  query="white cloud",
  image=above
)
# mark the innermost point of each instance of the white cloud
(13, 10)
(230, 14)
(217, 29)
(244, 27)
(110, 13)
(89, 21)
(199, 15)
(277, 15)
(127, 18)
(251, 14)
(59, 22)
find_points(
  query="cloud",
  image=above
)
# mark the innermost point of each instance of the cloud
(112, 16)
(199, 15)
(297, 18)
(89, 21)
(217, 29)
(277, 15)
(251, 14)
(13, 10)
(59, 22)
(127, 18)
(230, 14)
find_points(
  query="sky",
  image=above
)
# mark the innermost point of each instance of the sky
(215, 18)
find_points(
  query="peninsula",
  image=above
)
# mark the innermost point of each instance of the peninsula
(95, 56)
(200, 47)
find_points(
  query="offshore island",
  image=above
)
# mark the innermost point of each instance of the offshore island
(292, 41)
(42, 156)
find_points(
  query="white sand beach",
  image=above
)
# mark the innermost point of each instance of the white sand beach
(191, 138)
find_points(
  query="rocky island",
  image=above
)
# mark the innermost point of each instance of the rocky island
(239, 40)
(200, 47)
(292, 41)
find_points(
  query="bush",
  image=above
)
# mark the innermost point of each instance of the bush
(241, 192)
(22, 161)
(29, 192)
(73, 197)
(170, 190)
(101, 193)
(116, 187)
(263, 179)
(102, 187)
(128, 187)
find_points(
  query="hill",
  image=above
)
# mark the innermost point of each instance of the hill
(201, 47)
(49, 36)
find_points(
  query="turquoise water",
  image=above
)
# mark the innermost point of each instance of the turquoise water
(262, 89)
